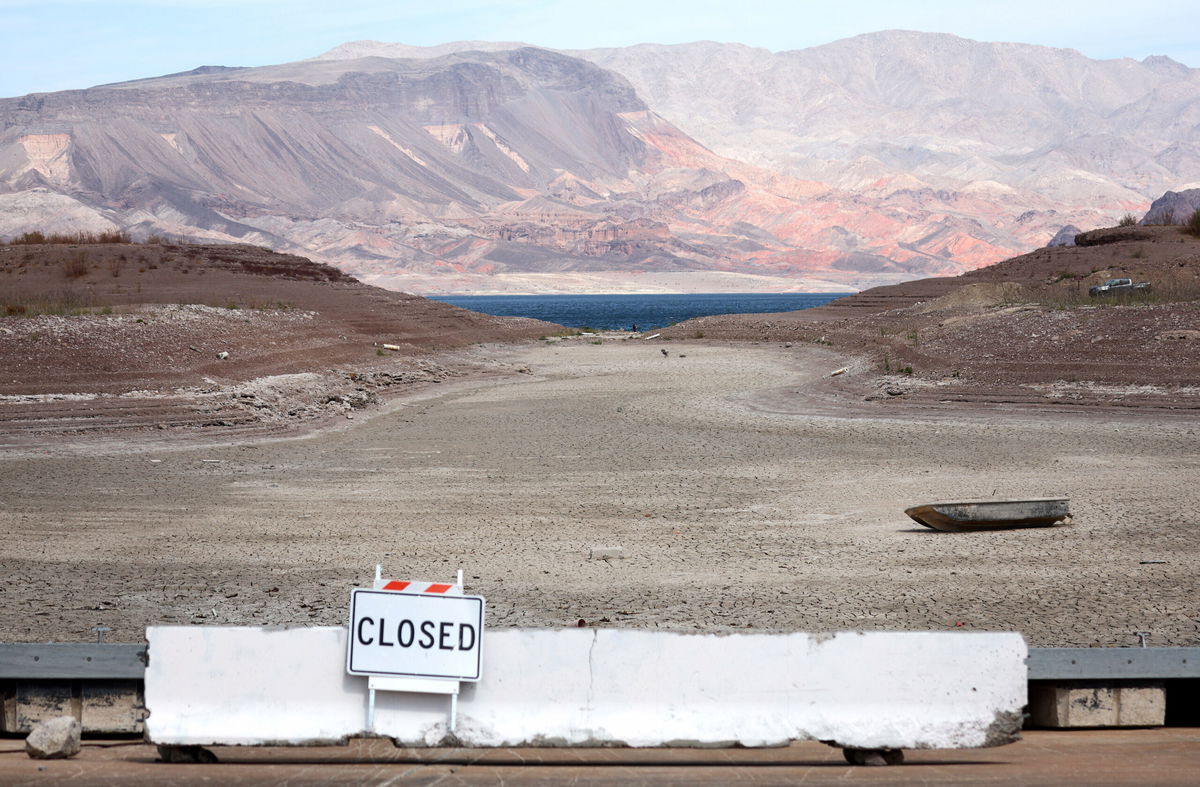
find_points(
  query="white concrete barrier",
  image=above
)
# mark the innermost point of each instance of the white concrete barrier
(579, 687)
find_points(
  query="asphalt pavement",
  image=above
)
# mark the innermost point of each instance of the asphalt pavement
(1094, 757)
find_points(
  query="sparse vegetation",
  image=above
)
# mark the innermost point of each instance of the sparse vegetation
(1128, 220)
(75, 266)
(1192, 226)
(66, 303)
(71, 238)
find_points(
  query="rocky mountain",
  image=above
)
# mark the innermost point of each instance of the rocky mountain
(521, 168)
(1065, 236)
(984, 146)
(492, 167)
(1173, 207)
(944, 110)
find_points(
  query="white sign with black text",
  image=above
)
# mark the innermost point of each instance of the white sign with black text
(415, 635)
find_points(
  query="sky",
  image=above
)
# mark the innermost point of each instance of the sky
(48, 45)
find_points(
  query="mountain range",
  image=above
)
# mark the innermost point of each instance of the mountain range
(476, 167)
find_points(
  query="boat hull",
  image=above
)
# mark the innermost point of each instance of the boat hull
(962, 515)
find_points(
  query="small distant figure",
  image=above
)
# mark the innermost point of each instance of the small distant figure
(663, 350)
(634, 328)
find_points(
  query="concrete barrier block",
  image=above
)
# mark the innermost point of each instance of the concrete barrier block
(32, 702)
(584, 687)
(1142, 706)
(1098, 704)
(100, 706)
(111, 706)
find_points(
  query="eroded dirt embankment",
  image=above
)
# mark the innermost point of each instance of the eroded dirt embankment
(1023, 331)
(100, 337)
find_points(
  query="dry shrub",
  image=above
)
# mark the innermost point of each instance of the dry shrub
(1192, 226)
(75, 266)
(28, 238)
(72, 238)
(66, 302)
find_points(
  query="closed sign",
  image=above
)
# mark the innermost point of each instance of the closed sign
(415, 635)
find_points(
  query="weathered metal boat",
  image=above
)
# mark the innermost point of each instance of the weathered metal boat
(991, 513)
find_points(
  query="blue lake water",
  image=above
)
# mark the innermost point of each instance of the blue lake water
(647, 312)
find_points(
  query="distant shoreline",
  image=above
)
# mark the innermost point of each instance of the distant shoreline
(635, 311)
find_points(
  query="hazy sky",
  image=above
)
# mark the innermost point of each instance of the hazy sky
(50, 45)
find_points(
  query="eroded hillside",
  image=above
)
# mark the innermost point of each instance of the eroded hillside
(1022, 331)
(101, 336)
(868, 161)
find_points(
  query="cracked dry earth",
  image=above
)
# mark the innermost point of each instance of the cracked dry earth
(740, 490)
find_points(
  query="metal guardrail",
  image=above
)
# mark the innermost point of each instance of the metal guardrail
(1113, 663)
(70, 661)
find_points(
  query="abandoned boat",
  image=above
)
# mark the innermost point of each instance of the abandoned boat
(991, 513)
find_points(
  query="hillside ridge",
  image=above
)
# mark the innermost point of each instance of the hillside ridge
(479, 167)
